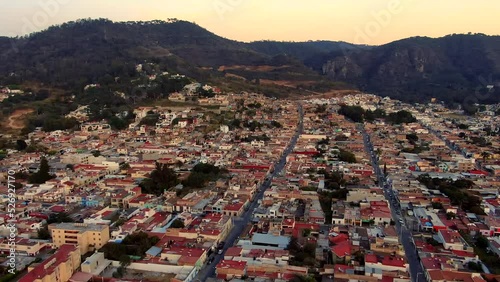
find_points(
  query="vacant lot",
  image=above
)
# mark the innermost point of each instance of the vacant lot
(17, 119)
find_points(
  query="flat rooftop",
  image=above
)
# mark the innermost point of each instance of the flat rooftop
(82, 227)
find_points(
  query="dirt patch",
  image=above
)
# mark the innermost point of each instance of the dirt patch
(149, 276)
(326, 95)
(17, 118)
(286, 83)
(263, 68)
(235, 76)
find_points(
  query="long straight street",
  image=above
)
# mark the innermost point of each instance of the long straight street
(239, 224)
(405, 235)
(451, 146)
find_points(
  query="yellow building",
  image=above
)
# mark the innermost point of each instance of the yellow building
(23, 246)
(59, 267)
(88, 236)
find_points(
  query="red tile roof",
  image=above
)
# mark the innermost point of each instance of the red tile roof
(450, 236)
(240, 265)
(46, 267)
(338, 239)
(393, 261)
(233, 252)
(233, 207)
(57, 209)
(342, 249)
(371, 258)
(387, 279)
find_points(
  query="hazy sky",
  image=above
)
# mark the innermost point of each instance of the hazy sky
(356, 21)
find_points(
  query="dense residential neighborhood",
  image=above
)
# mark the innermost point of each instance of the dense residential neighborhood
(239, 141)
(247, 187)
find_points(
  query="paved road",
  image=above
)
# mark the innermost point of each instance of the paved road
(240, 223)
(452, 147)
(406, 238)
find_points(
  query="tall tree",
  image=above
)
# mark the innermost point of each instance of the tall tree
(43, 173)
(21, 145)
(160, 179)
(485, 155)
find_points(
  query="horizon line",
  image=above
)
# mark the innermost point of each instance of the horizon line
(173, 20)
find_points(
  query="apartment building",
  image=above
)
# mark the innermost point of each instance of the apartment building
(88, 237)
(59, 267)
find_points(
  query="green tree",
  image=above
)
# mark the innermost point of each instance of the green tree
(201, 173)
(470, 109)
(125, 261)
(485, 155)
(306, 232)
(276, 124)
(125, 166)
(44, 233)
(21, 145)
(42, 175)
(346, 156)
(150, 119)
(482, 242)
(133, 245)
(302, 278)
(59, 217)
(117, 123)
(70, 167)
(437, 205)
(359, 256)
(412, 138)
(400, 117)
(160, 179)
(355, 113)
(293, 245)
(235, 123)
(433, 242)
(118, 273)
(58, 123)
(178, 223)
(475, 266)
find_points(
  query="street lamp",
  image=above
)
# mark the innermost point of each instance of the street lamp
(418, 276)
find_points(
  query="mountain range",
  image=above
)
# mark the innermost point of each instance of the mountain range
(77, 53)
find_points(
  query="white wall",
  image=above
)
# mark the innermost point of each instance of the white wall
(163, 268)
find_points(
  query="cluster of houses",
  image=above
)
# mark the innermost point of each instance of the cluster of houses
(438, 146)
(97, 175)
(6, 92)
(327, 198)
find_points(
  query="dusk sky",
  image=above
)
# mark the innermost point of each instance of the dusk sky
(357, 21)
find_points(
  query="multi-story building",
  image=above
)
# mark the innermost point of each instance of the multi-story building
(59, 267)
(88, 237)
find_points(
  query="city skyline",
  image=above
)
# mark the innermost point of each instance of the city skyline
(361, 22)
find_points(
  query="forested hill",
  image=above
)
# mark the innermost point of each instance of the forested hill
(81, 52)
(450, 68)
(77, 53)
